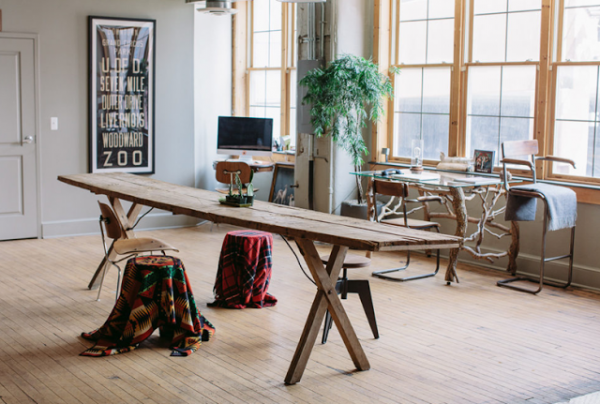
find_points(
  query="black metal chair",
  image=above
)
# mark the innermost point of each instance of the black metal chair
(359, 286)
(511, 150)
(400, 190)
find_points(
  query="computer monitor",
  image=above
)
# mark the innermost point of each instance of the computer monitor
(245, 136)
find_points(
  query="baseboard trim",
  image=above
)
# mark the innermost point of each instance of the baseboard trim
(528, 264)
(81, 227)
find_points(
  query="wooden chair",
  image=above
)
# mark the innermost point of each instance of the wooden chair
(225, 174)
(511, 151)
(111, 228)
(400, 189)
(359, 286)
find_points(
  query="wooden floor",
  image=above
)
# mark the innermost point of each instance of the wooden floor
(467, 343)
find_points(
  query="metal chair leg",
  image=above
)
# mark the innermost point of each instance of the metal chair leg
(507, 282)
(381, 273)
(361, 286)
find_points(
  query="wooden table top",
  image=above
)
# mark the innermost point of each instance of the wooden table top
(264, 216)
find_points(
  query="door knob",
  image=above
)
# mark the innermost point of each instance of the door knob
(28, 139)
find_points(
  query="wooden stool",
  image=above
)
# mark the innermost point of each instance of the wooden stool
(360, 286)
(244, 271)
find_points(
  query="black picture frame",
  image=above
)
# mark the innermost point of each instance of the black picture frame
(484, 160)
(282, 191)
(122, 60)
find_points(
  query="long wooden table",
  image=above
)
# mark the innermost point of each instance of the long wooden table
(304, 226)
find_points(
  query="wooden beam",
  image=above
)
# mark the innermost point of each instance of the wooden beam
(240, 59)
(456, 142)
(381, 56)
(543, 85)
(284, 100)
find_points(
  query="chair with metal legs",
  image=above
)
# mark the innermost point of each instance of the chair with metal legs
(359, 286)
(400, 190)
(128, 247)
(521, 205)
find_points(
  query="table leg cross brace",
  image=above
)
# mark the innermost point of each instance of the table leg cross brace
(325, 299)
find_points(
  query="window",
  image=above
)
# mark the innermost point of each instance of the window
(502, 71)
(477, 73)
(577, 66)
(271, 76)
(424, 52)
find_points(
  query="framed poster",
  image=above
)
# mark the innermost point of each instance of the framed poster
(121, 103)
(484, 161)
(282, 191)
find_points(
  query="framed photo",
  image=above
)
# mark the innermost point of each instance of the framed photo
(282, 191)
(484, 161)
(121, 94)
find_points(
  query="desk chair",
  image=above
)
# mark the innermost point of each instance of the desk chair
(225, 171)
(400, 189)
(345, 286)
(130, 247)
(521, 206)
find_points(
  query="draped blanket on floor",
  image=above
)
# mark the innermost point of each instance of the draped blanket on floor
(156, 293)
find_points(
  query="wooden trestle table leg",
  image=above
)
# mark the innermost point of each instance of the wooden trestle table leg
(460, 210)
(126, 220)
(325, 299)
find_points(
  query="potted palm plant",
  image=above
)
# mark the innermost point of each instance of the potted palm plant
(345, 95)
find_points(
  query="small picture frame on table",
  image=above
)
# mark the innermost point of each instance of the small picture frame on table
(484, 161)
(282, 189)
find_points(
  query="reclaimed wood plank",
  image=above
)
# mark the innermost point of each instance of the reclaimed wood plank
(285, 220)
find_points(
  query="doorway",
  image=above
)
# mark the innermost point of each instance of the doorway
(19, 213)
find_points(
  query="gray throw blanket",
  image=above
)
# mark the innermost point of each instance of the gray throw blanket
(562, 205)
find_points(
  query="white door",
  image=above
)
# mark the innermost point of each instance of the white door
(18, 188)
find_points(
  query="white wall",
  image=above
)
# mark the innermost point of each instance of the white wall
(212, 65)
(62, 26)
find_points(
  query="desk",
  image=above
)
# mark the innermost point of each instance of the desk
(451, 188)
(304, 226)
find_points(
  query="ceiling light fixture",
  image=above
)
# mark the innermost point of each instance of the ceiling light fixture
(302, 1)
(215, 7)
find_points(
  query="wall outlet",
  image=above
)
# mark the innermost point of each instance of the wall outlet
(54, 123)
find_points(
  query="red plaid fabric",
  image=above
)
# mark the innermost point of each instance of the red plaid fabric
(244, 271)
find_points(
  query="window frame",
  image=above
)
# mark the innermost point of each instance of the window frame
(288, 64)
(555, 62)
(393, 58)
(468, 63)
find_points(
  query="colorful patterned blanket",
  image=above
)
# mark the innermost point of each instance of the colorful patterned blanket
(244, 271)
(156, 293)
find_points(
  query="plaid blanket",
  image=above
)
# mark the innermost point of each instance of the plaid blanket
(244, 271)
(156, 293)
